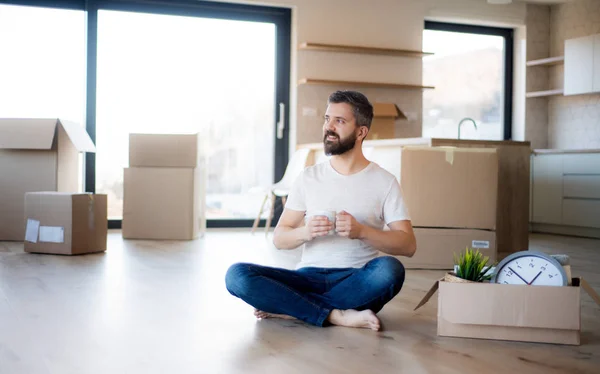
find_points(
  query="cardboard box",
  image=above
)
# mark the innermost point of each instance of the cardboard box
(449, 187)
(543, 314)
(163, 203)
(163, 150)
(384, 119)
(65, 223)
(436, 247)
(36, 155)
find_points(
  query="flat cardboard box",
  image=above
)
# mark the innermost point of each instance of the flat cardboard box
(163, 150)
(163, 203)
(384, 119)
(448, 187)
(542, 314)
(436, 247)
(65, 223)
(36, 155)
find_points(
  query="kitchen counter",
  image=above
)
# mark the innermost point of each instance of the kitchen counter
(563, 151)
(427, 142)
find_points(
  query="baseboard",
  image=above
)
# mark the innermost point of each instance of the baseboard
(586, 232)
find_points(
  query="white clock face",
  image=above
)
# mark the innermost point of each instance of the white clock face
(530, 270)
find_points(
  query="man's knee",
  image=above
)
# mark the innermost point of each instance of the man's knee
(237, 279)
(389, 270)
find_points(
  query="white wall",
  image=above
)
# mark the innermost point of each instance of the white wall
(378, 23)
(573, 121)
(565, 122)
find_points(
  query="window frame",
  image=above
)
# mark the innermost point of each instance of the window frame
(508, 35)
(279, 16)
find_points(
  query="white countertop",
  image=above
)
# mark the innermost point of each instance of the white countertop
(424, 141)
(562, 151)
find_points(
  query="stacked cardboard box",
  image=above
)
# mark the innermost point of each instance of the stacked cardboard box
(65, 223)
(451, 194)
(36, 155)
(164, 188)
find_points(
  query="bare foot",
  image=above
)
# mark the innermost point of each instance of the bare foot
(353, 318)
(262, 315)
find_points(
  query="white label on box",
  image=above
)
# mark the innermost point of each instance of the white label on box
(52, 234)
(480, 244)
(31, 230)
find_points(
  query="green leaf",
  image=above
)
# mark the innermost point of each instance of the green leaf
(472, 265)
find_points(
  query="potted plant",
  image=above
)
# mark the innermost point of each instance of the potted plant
(471, 267)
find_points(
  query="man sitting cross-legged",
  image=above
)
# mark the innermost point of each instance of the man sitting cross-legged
(340, 279)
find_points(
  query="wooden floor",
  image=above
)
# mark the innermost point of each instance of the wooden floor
(161, 307)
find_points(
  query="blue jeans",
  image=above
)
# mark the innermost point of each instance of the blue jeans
(310, 294)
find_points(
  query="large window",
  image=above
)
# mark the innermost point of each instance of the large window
(151, 66)
(471, 70)
(221, 70)
(217, 80)
(42, 63)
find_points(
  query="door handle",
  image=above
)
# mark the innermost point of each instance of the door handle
(281, 122)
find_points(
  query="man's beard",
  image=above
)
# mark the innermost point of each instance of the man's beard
(341, 146)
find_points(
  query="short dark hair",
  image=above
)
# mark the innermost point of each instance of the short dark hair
(361, 107)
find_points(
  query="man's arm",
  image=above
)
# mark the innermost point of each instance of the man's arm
(291, 233)
(399, 241)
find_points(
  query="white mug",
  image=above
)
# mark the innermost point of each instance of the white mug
(330, 214)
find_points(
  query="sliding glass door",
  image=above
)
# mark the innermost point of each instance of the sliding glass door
(218, 70)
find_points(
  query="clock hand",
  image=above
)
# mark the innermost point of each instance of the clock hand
(534, 278)
(518, 275)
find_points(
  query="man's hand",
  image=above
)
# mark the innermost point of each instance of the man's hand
(317, 226)
(346, 225)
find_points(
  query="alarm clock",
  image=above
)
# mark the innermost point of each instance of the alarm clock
(530, 268)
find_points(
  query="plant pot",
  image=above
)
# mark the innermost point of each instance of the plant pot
(452, 278)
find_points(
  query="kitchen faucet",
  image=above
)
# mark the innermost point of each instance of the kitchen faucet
(463, 120)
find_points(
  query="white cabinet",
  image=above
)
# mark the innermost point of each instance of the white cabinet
(547, 188)
(581, 163)
(579, 212)
(582, 65)
(566, 189)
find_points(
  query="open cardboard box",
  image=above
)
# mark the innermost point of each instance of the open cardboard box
(384, 121)
(543, 314)
(37, 154)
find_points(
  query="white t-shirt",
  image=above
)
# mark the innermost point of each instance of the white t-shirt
(373, 196)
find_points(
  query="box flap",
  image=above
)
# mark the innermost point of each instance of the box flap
(27, 133)
(387, 110)
(429, 294)
(590, 291)
(79, 136)
(510, 305)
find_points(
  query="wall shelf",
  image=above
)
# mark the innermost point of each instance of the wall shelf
(363, 84)
(544, 93)
(547, 61)
(363, 50)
